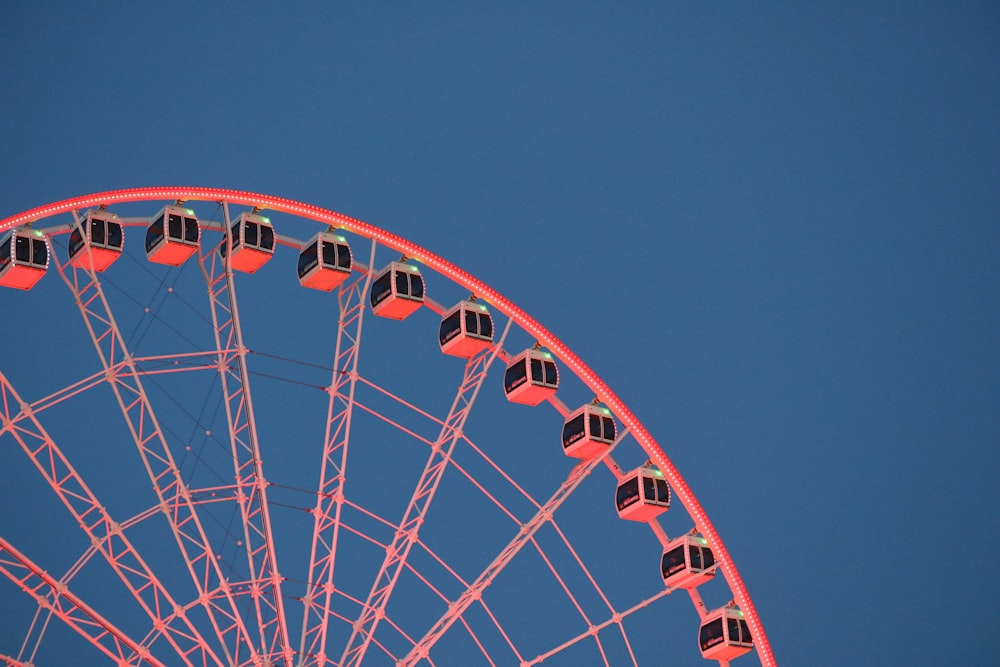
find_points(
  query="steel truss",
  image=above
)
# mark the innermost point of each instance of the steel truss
(102, 531)
(56, 597)
(239, 641)
(333, 470)
(250, 484)
(174, 497)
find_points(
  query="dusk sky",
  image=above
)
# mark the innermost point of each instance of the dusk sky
(773, 230)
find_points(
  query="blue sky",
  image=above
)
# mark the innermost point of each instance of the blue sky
(773, 230)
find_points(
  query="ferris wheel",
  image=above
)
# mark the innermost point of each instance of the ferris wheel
(238, 429)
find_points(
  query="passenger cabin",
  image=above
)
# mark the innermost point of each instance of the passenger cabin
(531, 377)
(173, 236)
(24, 256)
(588, 431)
(325, 262)
(724, 635)
(252, 239)
(642, 494)
(466, 329)
(687, 562)
(97, 242)
(397, 291)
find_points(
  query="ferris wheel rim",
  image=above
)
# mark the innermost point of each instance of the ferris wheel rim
(481, 290)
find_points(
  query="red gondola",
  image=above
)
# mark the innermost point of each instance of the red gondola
(101, 233)
(173, 236)
(325, 262)
(465, 329)
(24, 257)
(397, 291)
(531, 377)
(642, 494)
(588, 431)
(724, 635)
(252, 238)
(687, 562)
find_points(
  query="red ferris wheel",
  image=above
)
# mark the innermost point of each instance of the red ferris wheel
(306, 475)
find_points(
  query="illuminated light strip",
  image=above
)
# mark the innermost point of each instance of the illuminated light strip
(475, 286)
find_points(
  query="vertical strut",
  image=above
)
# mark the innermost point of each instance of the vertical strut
(251, 486)
(406, 535)
(330, 499)
(172, 493)
(36, 631)
(104, 533)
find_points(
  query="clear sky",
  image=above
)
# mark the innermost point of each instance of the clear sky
(773, 229)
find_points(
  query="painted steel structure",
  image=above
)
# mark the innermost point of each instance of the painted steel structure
(265, 641)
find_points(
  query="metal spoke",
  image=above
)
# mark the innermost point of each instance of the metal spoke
(615, 619)
(409, 528)
(124, 379)
(475, 590)
(258, 540)
(330, 498)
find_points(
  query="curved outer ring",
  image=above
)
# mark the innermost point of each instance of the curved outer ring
(477, 287)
